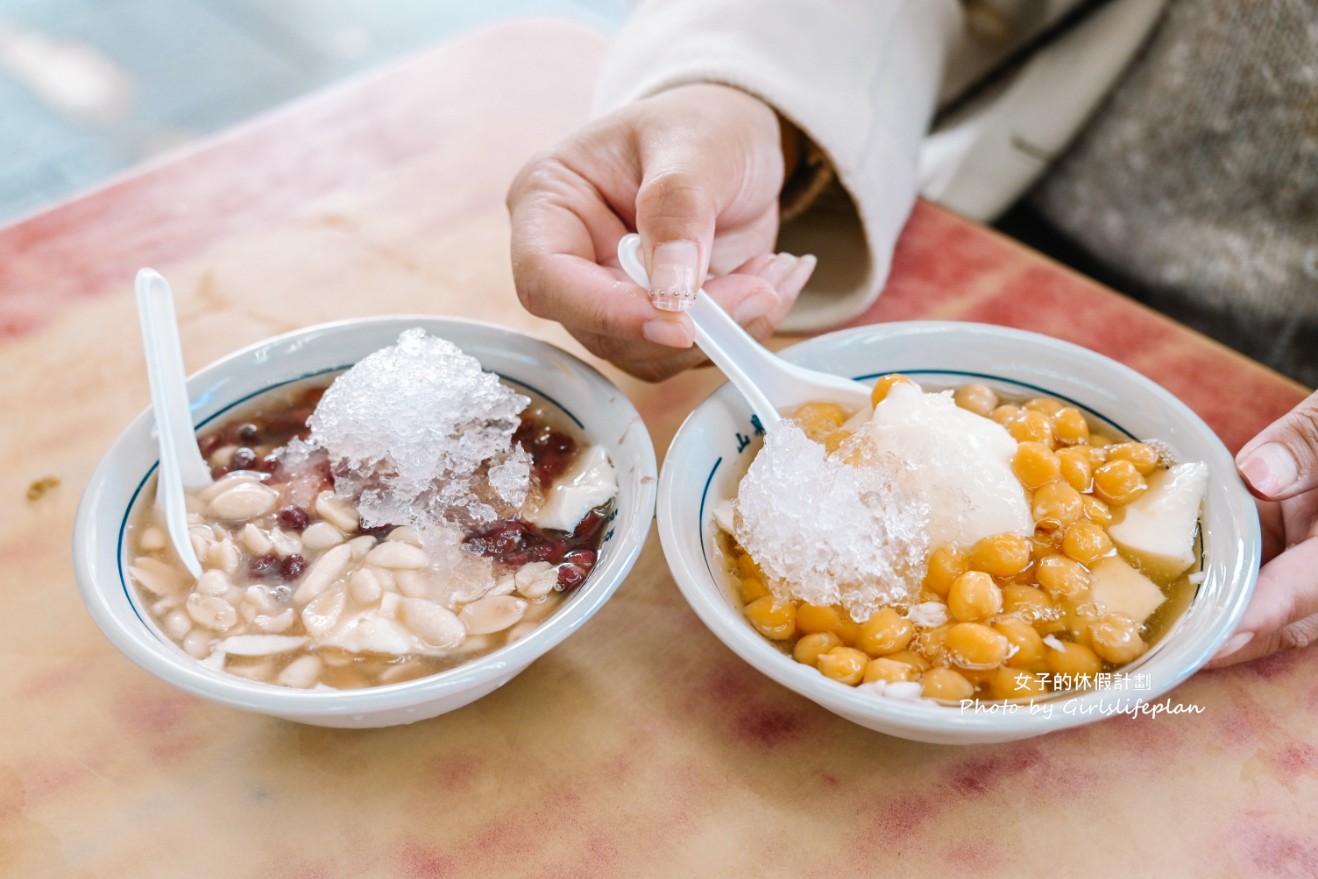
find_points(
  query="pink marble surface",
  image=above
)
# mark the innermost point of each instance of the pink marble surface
(640, 747)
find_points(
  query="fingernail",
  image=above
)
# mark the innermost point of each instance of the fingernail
(673, 333)
(1234, 644)
(673, 280)
(756, 305)
(779, 268)
(809, 260)
(1270, 469)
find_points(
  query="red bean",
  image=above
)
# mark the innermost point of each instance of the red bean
(263, 567)
(294, 517)
(243, 459)
(292, 567)
(570, 577)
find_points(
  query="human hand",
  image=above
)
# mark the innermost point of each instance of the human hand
(697, 171)
(1280, 465)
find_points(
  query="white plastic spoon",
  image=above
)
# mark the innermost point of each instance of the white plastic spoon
(769, 383)
(181, 463)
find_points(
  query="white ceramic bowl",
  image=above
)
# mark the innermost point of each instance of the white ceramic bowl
(714, 446)
(603, 412)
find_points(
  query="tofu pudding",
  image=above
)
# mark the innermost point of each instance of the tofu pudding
(394, 521)
(953, 545)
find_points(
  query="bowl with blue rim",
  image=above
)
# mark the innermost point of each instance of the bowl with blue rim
(124, 482)
(714, 447)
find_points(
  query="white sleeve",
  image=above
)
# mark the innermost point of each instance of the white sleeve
(859, 77)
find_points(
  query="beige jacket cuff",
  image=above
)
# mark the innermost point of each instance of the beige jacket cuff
(858, 77)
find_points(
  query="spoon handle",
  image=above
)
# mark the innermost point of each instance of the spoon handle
(181, 464)
(735, 352)
(722, 339)
(169, 389)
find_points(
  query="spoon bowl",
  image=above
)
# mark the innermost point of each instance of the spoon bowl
(770, 384)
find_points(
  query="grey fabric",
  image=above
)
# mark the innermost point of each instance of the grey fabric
(1197, 181)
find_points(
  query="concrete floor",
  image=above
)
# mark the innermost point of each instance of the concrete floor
(89, 88)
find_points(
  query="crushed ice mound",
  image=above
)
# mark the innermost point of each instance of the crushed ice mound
(418, 434)
(827, 532)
